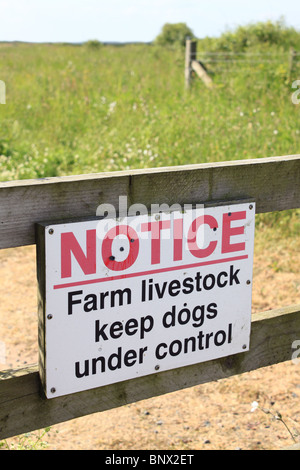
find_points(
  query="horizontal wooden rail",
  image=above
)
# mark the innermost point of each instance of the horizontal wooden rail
(23, 409)
(272, 182)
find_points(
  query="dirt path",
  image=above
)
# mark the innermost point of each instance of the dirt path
(212, 416)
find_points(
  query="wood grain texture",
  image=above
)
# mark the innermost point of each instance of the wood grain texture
(23, 407)
(190, 55)
(272, 182)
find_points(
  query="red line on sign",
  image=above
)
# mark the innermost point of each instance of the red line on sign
(146, 273)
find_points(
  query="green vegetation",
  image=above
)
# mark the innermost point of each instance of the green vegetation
(93, 44)
(174, 34)
(28, 441)
(260, 35)
(79, 109)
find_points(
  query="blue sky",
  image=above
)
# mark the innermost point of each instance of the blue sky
(132, 20)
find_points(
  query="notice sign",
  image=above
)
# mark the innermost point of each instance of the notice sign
(125, 298)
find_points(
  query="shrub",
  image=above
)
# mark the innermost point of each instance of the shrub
(174, 34)
(261, 35)
(93, 44)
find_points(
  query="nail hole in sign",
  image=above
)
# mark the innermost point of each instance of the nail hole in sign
(107, 256)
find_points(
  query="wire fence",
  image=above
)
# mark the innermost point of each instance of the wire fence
(251, 62)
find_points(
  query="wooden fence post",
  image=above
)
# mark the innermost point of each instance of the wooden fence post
(192, 64)
(190, 55)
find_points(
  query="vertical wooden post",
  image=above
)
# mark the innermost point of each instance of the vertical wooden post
(291, 61)
(190, 55)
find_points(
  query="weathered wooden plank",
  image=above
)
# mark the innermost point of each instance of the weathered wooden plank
(23, 408)
(272, 182)
(190, 54)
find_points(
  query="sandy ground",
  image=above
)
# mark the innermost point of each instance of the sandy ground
(211, 416)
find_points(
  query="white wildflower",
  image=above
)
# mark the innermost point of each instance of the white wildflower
(112, 106)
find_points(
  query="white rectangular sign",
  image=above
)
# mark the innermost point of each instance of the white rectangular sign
(130, 297)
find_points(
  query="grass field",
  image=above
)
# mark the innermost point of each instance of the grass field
(75, 110)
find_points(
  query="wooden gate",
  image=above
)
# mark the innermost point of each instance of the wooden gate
(274, 184)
